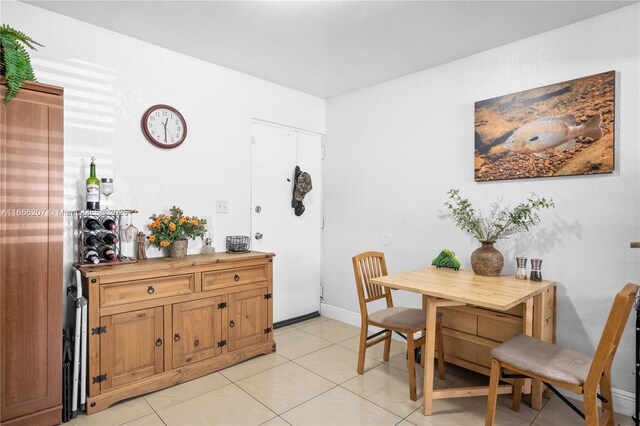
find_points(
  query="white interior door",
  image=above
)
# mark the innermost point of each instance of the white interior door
(295, 240)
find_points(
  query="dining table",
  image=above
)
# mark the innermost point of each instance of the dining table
(441, 287)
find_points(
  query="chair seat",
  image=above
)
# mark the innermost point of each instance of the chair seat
(544, 359)
(398, 317)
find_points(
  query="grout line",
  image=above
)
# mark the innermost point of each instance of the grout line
(191, 397)
(374, 403)
(314, 397)
(259, 402)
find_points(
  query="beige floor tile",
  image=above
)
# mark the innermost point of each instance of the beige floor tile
(339, 407)
(175, 394)
(276, 421)
(252, 366)
(405, 423)
(228, 405)
(335, 363)
(461, 412)
(285, 386)
(278, 331)
(387, 387)
(116, 414)
(309, 322)
(334, 331)
(375, 352)
(504, 404)
(150, 420)
(297, 343)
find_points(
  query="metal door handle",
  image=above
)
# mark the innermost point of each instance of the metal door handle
(231, 324)
(158, 341)
(176, 337)
(236, 277)
(259, 236)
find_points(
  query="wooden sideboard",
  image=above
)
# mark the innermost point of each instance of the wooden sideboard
(471, 332)
(31, 199)
(160, 322)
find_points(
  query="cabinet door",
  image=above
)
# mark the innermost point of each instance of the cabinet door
(131, 347)
(197, 329)
(31, 194)
(248, 318)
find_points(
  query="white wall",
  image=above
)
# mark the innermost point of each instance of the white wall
(111, 79)
(393, 151)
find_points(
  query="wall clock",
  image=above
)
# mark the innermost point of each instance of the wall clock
(164, 126)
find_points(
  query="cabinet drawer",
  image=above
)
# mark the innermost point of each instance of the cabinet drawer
(498, 329)
(225, 277)
(458, 348)
(461, 321)
(149, 289)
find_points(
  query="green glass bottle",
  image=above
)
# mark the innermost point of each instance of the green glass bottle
(93, 188)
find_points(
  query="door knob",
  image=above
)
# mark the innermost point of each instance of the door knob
(259, 236)
(258, 209)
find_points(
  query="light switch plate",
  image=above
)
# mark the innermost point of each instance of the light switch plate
(222, 206)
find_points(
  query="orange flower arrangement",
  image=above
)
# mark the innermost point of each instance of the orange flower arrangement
(165, 229)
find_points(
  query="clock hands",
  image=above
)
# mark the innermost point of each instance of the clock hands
(165, 129)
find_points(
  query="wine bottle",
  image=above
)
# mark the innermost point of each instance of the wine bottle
(91, 224)
(91, 240)
(107, 252)
(109, 238)
(90, 255)
(93, 188)
(108, 222)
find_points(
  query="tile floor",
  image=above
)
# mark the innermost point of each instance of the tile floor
(312, 380)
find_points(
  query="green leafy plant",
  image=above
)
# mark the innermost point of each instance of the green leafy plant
(500, 222)
(15, 63)
(165, 228)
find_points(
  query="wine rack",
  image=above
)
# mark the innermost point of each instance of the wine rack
(100, 231)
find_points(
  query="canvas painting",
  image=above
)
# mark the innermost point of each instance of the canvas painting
(556, 130)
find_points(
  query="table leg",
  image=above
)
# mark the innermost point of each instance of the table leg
(429, 349)
(537, 388)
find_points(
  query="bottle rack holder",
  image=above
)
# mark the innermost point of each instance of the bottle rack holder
(83, 233)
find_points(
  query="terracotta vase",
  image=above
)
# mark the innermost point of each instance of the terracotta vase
(486, 260)
(178, 248)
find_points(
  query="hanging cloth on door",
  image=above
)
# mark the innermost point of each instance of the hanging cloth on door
(301, 186)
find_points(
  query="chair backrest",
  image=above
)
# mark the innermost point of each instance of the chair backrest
(622, 305)
(365, 267)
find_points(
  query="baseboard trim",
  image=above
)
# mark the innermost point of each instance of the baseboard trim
(623, 401)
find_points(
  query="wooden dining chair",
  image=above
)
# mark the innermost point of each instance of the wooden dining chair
(554, 366)
(404, 321)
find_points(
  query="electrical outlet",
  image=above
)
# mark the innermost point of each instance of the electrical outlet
(222, 206)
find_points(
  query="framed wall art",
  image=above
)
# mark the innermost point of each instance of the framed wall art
(557, 130)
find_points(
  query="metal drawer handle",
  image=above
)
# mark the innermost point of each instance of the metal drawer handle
(196, 342)
(150, 289)
(231, 324)
(236, 277)
(176, 337)
(158, 341)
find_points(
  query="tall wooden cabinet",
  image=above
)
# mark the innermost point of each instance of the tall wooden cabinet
(31, 228)
(160, 322)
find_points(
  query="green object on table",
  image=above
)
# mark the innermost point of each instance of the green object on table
(446, 259)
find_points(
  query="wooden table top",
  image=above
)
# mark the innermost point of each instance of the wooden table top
(155, 263)
(500, 293)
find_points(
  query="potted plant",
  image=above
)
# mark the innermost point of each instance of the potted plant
(498, 224)
(174, 231)
(15, 64)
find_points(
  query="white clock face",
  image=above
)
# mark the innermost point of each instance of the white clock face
(165, 126)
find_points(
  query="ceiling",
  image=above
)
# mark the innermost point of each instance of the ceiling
(327, 48)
